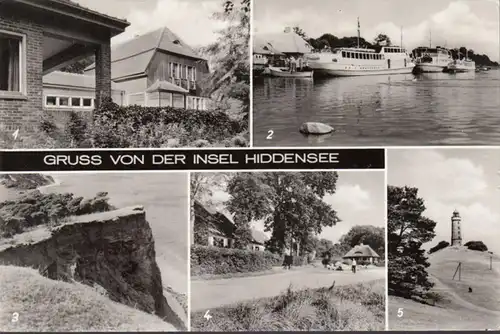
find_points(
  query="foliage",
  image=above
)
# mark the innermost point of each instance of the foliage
(476, 245)
(78, 67)
(36, 209)
(383, 39)
(368, 235)
(209, 260)
(300, 32)
(242, 236)
(290, 204)
(323, 247)
(408, 229)
(25, 181)
(117, 126)
(357, 307)
(230, 78)
(439, 246)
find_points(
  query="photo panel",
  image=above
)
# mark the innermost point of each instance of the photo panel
(94, 252)
(443, 262)
(281, 251)
(363, 73)
(124, 73)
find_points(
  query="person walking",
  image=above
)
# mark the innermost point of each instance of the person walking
(354, 265)
(293, 64)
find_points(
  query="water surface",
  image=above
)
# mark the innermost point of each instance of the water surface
(381, 110)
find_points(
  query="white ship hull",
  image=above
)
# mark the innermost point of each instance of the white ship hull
(431, 68)
(358, 71)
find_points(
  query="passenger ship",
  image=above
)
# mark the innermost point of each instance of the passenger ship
(344, 62)
(358, 61)
(430, 60)
(463, 65)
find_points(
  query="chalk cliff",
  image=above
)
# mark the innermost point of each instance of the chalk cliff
(114, 250)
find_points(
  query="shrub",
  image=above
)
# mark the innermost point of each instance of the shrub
(36, 209)
(209, 260)
(439, 246)
(476, 245)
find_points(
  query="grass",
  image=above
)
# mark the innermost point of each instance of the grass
(48, 305)
(351, 307)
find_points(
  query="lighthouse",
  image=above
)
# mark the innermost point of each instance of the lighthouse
(456, 234)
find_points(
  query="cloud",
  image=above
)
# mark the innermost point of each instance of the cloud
(191, 20)
(350, 197)
(443, 179)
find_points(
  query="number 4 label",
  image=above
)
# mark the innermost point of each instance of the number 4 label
(400, 312)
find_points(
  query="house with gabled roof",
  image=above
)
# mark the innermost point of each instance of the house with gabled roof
(362, 252)
(158, 69)
(40, 37)
(220, 228)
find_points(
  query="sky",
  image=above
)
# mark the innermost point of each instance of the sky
(452, 23)
(359, 200)
(463, 179)
(190, 19)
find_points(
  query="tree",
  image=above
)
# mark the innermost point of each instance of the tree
(290, 204)
(242, 236)
(382, 39)
(407, 230)
(230, 78)
(299, 32)
(324, 247)
(368, 235)
(79, 66)
(201, 189)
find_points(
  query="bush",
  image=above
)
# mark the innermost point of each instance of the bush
(476, 245)
(439, 246)
(36, 209)
(209, 260)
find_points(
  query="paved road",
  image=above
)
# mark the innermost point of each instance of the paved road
(214, 293)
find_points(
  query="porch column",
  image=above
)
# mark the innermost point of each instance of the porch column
(102, 72)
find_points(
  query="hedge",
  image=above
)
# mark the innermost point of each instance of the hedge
(209, 260)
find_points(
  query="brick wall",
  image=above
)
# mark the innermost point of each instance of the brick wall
(103, 72)
(24, 114)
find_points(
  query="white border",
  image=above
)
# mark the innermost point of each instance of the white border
(250, 59)
(189, 251)
(386, 243)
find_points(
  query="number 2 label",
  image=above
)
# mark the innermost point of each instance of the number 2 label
(270, 134)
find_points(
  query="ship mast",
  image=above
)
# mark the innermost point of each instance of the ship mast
(430, 39)
(359, 32)
(401, 37)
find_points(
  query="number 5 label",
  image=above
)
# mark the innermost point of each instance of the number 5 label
(400, 312)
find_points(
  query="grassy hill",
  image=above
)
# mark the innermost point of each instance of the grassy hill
(50, 305)
(458, 308)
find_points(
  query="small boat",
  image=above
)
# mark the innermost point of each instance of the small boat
(461, 65)
(278, 72)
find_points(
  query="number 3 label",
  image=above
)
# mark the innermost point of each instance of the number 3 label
(400, 312)
(15, 317)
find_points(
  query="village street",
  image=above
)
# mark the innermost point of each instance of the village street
(206, 294)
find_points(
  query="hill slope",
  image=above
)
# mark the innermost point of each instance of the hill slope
(459, 308)
(51, 305)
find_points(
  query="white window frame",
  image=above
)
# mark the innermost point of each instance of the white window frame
(178, 71)
(70, 102)
(23, 71)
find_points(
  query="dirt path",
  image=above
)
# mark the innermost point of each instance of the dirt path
(214, 293)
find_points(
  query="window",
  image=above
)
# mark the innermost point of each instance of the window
(186, 73)
(175, 70)
(11, 62)
(343, 54)
(172, 72)
(87, 102)
(51, 101)
(64, 101)
(76, 102)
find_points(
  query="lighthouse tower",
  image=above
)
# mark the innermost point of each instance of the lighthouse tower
(456, 233)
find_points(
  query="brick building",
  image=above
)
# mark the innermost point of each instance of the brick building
(39, 37)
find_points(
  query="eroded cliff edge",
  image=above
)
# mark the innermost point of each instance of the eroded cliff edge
(114, 250)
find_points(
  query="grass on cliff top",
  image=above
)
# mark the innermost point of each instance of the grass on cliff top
(42, 305)
(348, 308)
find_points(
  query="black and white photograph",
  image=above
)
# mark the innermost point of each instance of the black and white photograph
(374, 73)
(124, 73)
(281, 251)
(94, 252)
(443, 228)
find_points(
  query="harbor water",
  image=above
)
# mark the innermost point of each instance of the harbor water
(393, 110)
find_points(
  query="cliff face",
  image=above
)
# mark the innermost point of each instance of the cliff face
(25, 181)
(114, 250)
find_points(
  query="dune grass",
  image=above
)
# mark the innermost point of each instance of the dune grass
(41, 305)
(352, 307)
